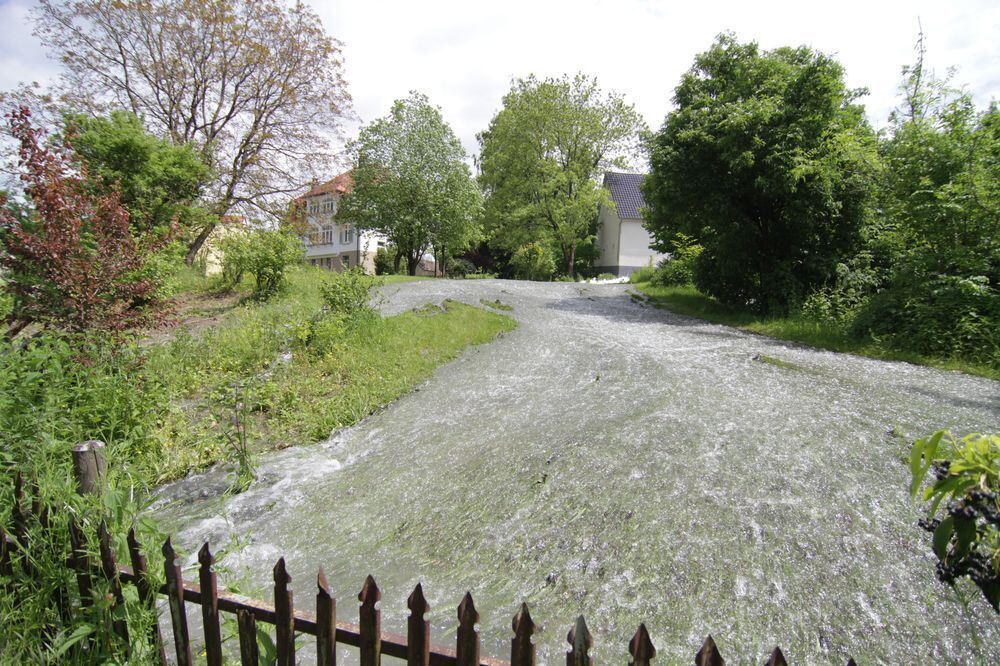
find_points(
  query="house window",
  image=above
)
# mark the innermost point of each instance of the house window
(312, 238)
(345, 261)
(329, 206)
(313, 206)
(347, 235)
(329, 263)
(327, 234)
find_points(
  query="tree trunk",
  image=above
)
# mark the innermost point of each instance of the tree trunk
(411, 264)
(396, 261)
(198, 242)
(571, 260)
(443, 259)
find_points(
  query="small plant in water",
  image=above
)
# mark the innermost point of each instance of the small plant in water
(966, 534)
(236, 432)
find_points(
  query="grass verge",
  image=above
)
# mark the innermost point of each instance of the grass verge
(691, 302)
(294, 374)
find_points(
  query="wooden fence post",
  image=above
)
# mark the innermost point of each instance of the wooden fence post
(175, 595)
(110, 569)
(641, 647)
(89, 467)
(467, 638)
(146, 594)
(326, 623)
(418, 629)
(248, 638)
(709, 655)
(81, 562)
(370, 629)
(522, 650)
(580, 642)
(284, 625)
(776, 658)
(210, 607)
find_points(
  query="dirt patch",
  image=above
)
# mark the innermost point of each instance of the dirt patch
(194, 313)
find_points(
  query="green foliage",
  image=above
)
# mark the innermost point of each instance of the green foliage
(458, 267)
(941, 233)
(264, 254)
(942, 315)
(770, 165)
(411, 182)
(679, 268)
(159, 182)
(643, 274)
(57, 390)
(533, 262)
(799, 327)
(540, 158)
(349, 293)
(383, 262)
(966, 540)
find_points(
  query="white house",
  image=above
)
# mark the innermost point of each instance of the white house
(623, 241)
(331, 243)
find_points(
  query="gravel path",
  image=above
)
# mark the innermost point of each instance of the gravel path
(614, 459)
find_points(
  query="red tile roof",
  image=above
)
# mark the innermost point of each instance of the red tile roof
(341, 184)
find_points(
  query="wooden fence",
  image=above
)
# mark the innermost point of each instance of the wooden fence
(367, 635)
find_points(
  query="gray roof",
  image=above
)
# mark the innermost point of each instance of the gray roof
(625, 192)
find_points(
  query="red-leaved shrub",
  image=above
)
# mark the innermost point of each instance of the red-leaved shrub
(70, 260)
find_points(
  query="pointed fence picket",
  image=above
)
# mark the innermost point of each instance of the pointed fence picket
(416, 647)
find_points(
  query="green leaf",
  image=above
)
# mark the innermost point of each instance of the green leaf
(65, 644)
(965, 531)
(941, 537)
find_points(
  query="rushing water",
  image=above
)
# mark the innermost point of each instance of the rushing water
(611, 459)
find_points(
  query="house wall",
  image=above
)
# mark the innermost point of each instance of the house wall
(635, 251)
(360, 250)
(607, 240)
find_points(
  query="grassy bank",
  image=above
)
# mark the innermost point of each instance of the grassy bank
(689, 301)
(294, 375)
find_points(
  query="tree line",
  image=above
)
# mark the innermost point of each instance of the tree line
(766, 180)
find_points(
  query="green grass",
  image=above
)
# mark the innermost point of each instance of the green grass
(396, 279)
(691, 302)
(300, 374)
(497, 304)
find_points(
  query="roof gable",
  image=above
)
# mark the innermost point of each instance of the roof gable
(341, 184)
(626, 193)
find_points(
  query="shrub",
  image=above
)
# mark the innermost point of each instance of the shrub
(383, 262)
(644, 274)
(70, 258)
(533, 262)
(940, 315)
(967, 480)
(678, 270)
(349, 293)
(264, 254)
(459, 268)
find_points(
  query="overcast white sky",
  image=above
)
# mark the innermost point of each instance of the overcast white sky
(463, 53)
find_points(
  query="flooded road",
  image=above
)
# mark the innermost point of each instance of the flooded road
(615, 460)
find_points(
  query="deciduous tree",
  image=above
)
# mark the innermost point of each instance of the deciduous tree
(769, 163)
(541, 157)
(411, 182)
(255, 85)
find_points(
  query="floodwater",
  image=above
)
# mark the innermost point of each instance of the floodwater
(612, 459)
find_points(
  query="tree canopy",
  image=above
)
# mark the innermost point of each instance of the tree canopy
(158, 181)
(769, 163)
(541, 157)
(411, 182)
(255, 85)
